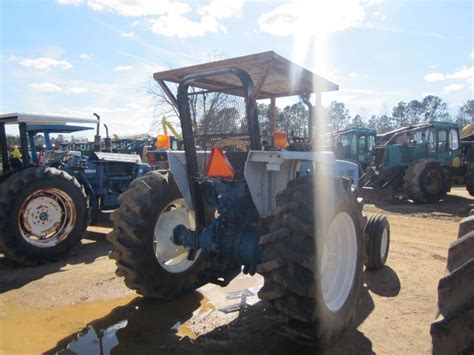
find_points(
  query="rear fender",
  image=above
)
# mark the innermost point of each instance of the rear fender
(268, 172)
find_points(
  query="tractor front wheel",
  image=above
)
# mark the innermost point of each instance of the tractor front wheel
(313, 258)
(378, 241)
(425, 181)
(144, 252)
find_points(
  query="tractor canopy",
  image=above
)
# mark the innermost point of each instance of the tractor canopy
(272, 75)
(31, 124)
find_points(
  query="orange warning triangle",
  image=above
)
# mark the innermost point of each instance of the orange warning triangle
(218, 165)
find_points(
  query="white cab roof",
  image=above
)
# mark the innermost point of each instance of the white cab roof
(38, 119)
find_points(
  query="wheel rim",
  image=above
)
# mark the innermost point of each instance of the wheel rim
(173, 258)
(338, 261)
(433, 181)
(384, 244)
(47, 217)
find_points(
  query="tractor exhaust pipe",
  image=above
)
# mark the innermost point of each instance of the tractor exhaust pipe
(97, 135)
(108, 141)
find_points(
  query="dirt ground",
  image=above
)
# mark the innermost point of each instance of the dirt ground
(78, 305)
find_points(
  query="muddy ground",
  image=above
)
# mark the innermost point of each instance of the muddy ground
(78, 305)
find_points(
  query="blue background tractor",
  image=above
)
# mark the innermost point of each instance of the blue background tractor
(47, 198)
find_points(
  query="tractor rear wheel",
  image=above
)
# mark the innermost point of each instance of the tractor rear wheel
(425, 181)
(144, 252)
(453, 330)
(43, 215)
(313, 258)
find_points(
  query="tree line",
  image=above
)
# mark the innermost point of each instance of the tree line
(294, 118)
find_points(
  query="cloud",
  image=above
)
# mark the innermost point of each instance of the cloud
(170, 17)
(45, 63)
(354, 75)
(383, 28)
(85, 56)
(76, 90)
(313, 17)
(176, 24)
(432, 77)
(132, 7)
(471, 54)
(128, 34)
(45, 87)
(463, 73)
(453, 87)
(123, 68)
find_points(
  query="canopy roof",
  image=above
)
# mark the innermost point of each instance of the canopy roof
(56, 128)
(273, 76)
(38, 119)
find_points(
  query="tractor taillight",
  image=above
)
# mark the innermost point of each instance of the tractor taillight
(218, 165)
(279, 140)
(163, 141)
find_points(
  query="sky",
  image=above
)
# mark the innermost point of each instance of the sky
(76, 57)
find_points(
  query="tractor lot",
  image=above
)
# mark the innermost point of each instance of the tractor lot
(79, 304)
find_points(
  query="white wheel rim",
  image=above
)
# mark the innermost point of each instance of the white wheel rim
(46, 217)
(173, 258)
(384, 244)
(338, 261)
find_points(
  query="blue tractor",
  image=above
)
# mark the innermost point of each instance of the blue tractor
(48, 197)
(235, 201)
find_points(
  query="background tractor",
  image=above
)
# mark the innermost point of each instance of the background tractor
(467, 147)
(356, 145)
(48, 197)
(218, 212)
(420, 161)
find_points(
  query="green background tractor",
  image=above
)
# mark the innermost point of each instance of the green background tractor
(420, 161)
(356, 145)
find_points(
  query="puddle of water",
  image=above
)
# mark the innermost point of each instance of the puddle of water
(129, 325)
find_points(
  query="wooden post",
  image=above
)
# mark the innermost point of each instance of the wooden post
(319, 121)
(273, 114)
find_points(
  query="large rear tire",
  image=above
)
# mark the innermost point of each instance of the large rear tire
(43, 215)
(469, 180)
(453, 330)
(313, 259)
(425, 181)
(144, 254)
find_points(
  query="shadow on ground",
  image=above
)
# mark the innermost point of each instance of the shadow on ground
(384, 282)
(452, 206)
(93, 246)
(150, 326)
